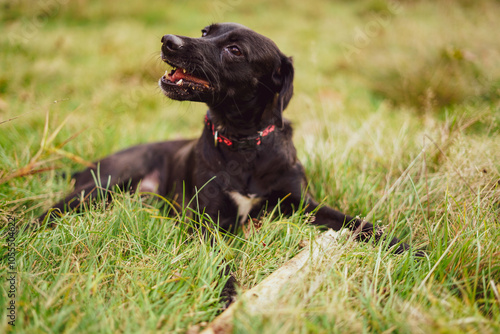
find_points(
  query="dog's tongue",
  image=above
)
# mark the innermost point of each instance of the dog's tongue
(181, 74)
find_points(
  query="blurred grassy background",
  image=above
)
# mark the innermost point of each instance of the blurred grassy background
(396, 114)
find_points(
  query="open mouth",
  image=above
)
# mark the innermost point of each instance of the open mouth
(181, 78)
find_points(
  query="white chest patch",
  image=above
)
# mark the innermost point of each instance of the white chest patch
(244, 203)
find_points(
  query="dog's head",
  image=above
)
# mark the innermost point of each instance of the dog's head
(231, 68)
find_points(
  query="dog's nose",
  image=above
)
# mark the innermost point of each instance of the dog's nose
(172, 42)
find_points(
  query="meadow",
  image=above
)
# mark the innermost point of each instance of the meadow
(396, 114)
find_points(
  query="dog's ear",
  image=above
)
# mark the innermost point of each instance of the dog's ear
(283, 78)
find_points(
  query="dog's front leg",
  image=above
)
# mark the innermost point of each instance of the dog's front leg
(364, 231)
(216, 211)
(336, 220)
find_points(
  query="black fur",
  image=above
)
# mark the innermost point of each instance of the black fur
(247, 83)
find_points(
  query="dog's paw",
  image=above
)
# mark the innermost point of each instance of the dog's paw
(228, 294)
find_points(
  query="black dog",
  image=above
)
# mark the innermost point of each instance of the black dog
(245, 159)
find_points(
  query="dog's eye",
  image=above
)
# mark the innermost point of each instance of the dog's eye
(204, 32)
(234, 50)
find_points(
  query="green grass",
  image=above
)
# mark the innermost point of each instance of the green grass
(403, 130)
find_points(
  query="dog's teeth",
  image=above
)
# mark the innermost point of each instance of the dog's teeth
(178, 83)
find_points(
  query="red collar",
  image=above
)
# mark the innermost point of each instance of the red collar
(241, 143)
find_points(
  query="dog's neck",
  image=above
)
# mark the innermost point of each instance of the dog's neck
(234, 120)
(241, 143)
